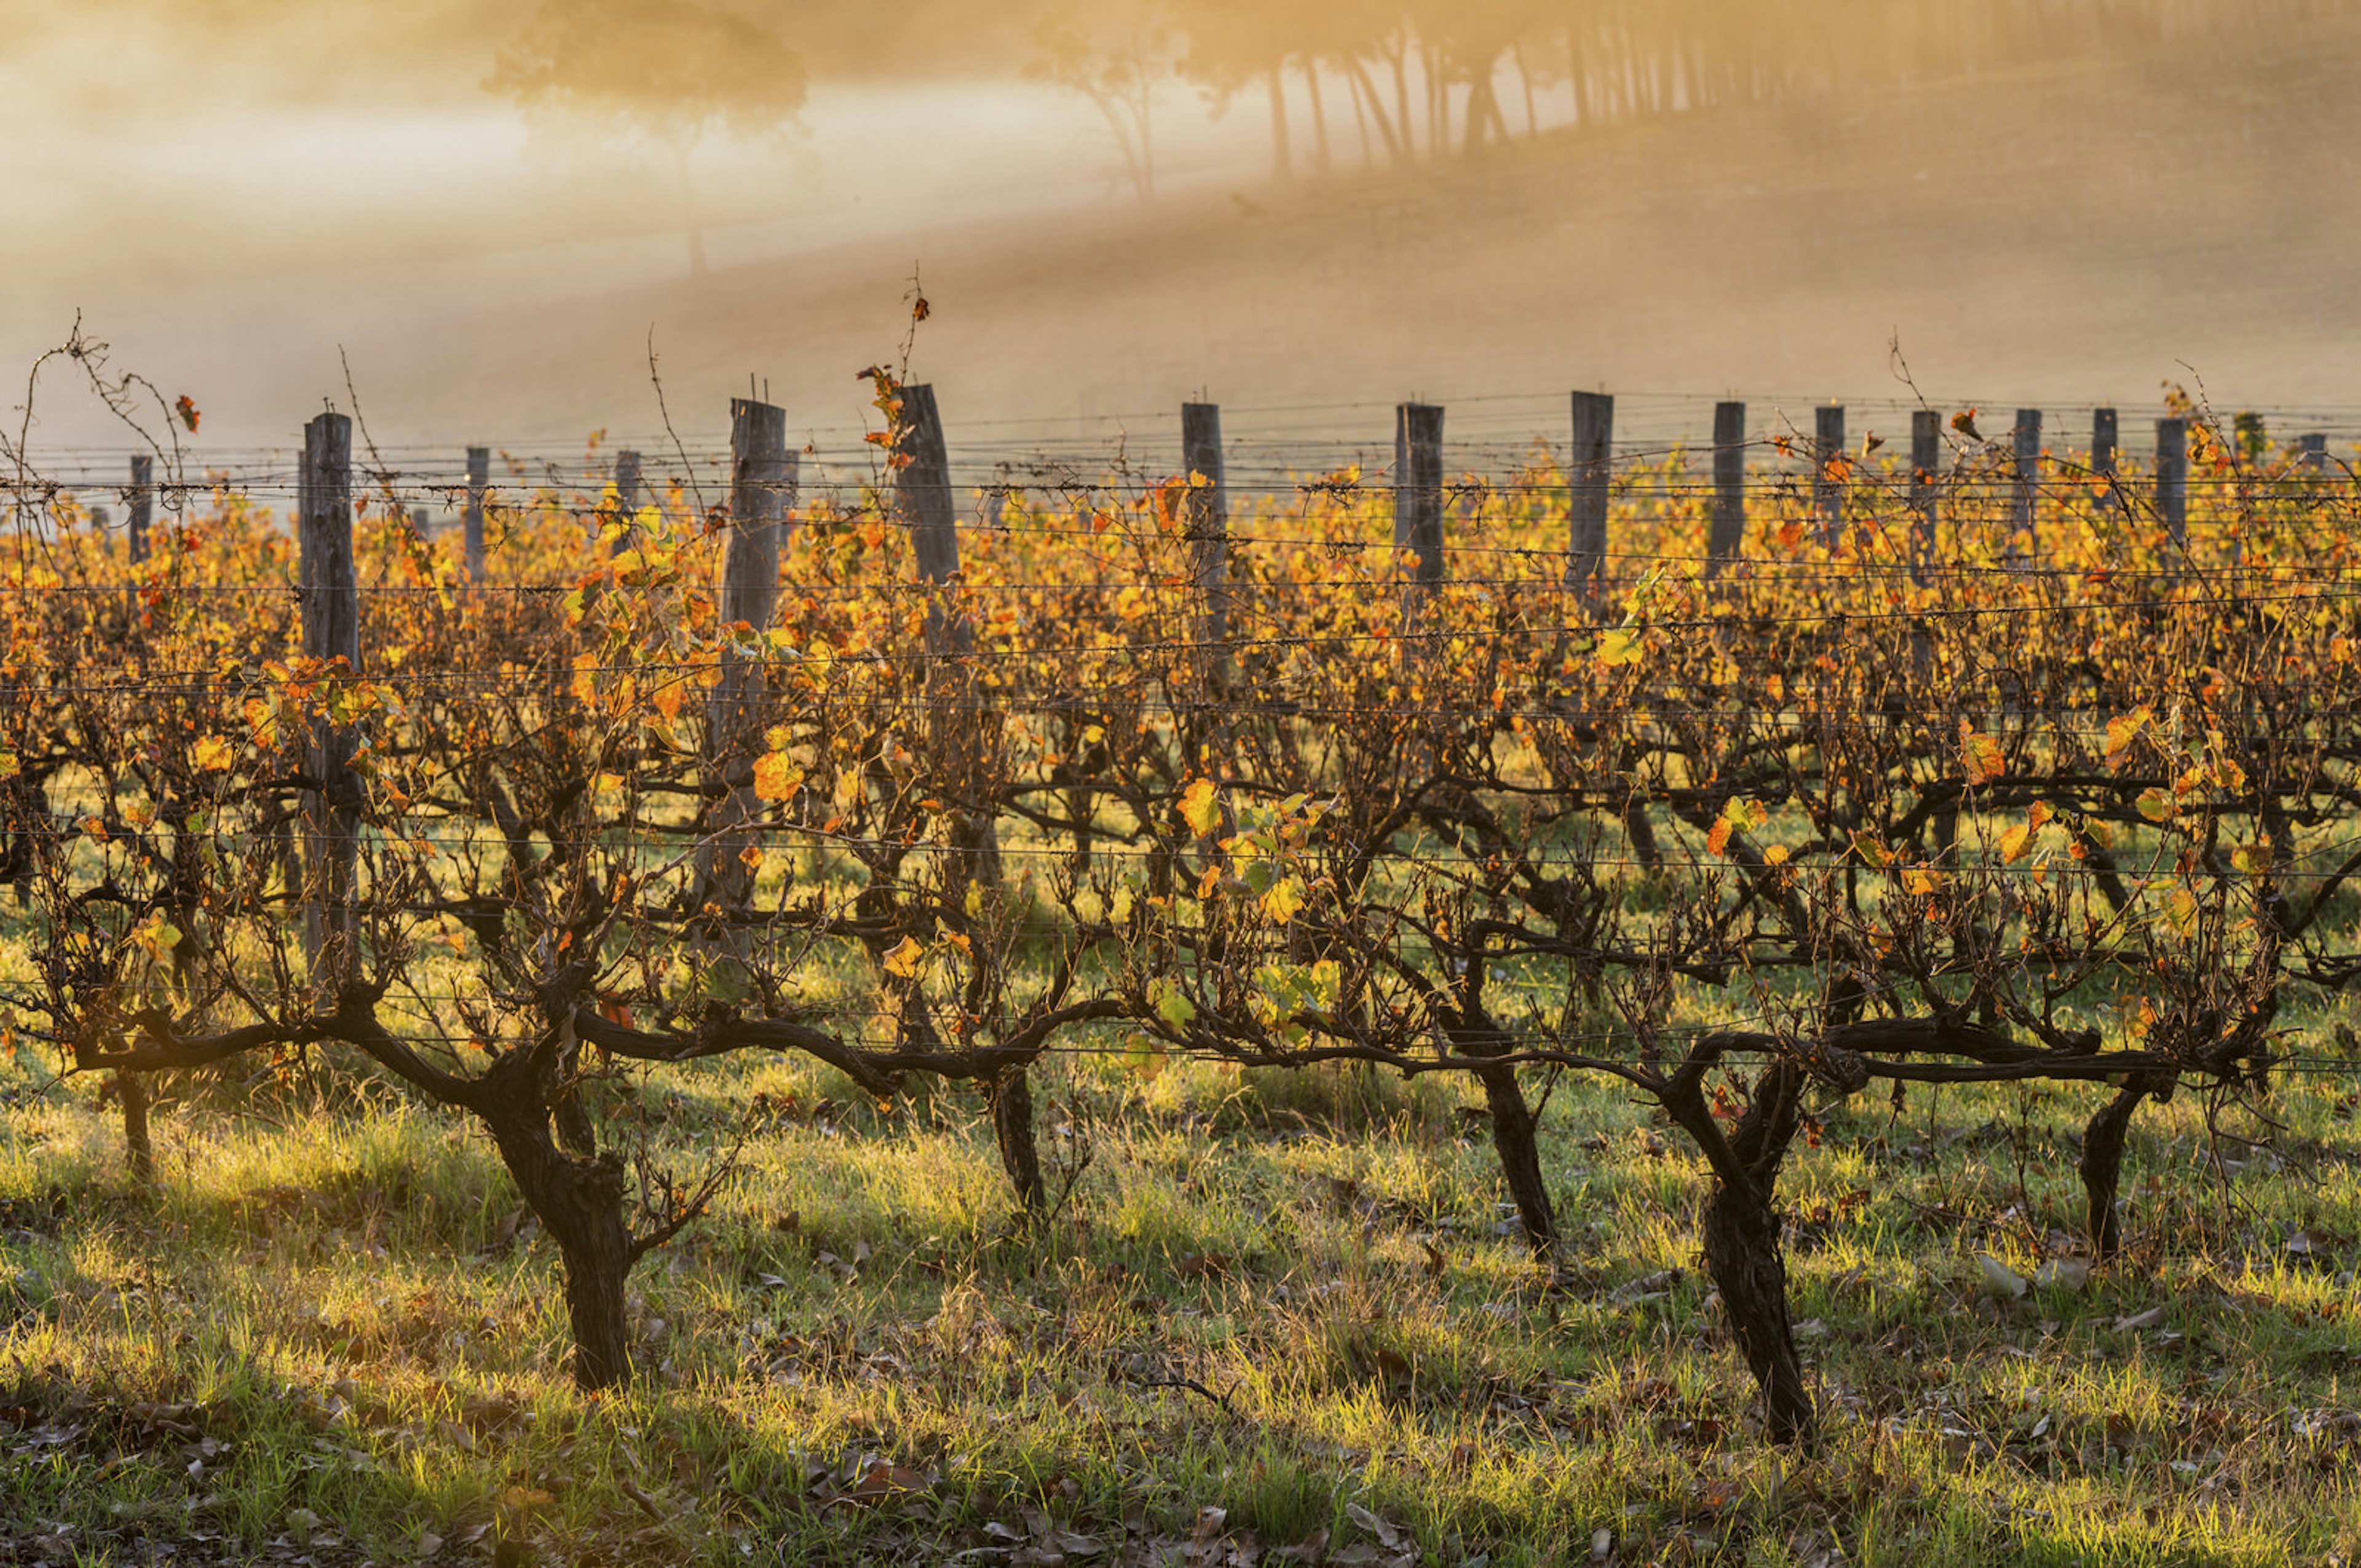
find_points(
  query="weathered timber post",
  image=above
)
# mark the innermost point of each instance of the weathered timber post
(761, 479)
(471, 517)
(1726, 534)
(332, 631)
(2172, 479)
(627, 501)
(2314, 451)
(143, 504)
(1208, 524)
(1590, 469)
(2025, 474)
(1926, 470)
(138, 1147)
(958, 742)
(922, 500)
(2105, 443)
(1418, 486)
(1828, 490)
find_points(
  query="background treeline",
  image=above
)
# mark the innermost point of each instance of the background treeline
(1612, 59)
(1429, 76)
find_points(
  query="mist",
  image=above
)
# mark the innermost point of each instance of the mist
(245, 199)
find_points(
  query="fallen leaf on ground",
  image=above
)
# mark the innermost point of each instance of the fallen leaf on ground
(2000, 1280)
(2063, 1273)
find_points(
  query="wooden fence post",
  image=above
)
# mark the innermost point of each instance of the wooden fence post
(1590, 470)
(762, 480)
(2106, 428)
(471, 517)
(922, 502)
(143, 503)
(1926, 469)
(332, 630)
(1418, 486)
(1726, 532)
(627, 501)
(2172, 479)
(1208, 532)
(2025, 474)
(961, 745)
(2105, 441)
(1828, 493)
(922, 498)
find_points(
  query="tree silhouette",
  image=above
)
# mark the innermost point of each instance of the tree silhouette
(661, 72)
(1115, 53)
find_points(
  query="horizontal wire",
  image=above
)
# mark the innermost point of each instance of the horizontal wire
(2297, 731)
(1411, 853)
(1404, 638)
(886, 1046)
(1738, 576)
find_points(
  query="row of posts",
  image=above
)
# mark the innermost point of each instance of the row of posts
(764, 472)
(1418, 474)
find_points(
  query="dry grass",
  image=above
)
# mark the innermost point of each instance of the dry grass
(1291, 1300)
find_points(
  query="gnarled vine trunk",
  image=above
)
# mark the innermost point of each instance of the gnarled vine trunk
(139, 1148)
(1473, 1033)
(1513, 1128)
(2103, 1157)
(1009, 1093)
(579, 1200)
(1742, 1256)
(1742, 1252)
(1740, 1234)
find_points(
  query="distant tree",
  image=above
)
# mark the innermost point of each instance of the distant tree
(661, 72)
(1117, 53)
(1466, 42)
(1234, 44)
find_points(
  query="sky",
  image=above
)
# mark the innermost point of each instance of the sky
(266, 207)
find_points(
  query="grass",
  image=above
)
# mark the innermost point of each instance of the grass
(332, 1334)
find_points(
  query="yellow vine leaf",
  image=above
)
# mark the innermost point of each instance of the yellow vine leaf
(2018, 842)
(1981, 753)
(904, 959)
(1620, 646)
(776, 777)
(1200, 808)
(2122, 731)
(1740, 816)
(1284, 899)
(213, 754)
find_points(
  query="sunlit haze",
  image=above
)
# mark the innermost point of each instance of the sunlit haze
(231, 194)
